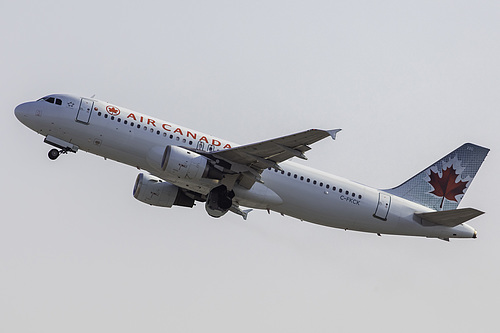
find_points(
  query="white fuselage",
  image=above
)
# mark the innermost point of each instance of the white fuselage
(298, 191)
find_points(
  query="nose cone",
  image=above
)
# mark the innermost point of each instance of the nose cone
(21, 112)
(24, 113)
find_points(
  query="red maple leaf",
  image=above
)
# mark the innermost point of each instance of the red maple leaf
(447, 186)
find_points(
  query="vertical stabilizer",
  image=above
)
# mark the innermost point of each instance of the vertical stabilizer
(442, 185)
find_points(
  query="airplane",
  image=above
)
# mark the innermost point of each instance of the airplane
(183, 166)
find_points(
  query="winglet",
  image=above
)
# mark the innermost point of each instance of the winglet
(333, 133)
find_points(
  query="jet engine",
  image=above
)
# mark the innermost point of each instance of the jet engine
(219, 201)
(156, 192)
(182, 163)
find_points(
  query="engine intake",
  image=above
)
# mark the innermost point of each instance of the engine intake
(156, 192)
(183, 163)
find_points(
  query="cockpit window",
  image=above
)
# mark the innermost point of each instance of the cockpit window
(52, 100)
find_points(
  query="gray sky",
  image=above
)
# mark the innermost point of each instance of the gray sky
(407, 81)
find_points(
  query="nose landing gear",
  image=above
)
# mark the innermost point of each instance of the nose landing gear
(54, 153)
(63, 146)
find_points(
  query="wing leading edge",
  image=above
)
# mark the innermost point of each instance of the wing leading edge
(269, 153)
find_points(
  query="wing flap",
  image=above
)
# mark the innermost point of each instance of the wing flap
(450, 218)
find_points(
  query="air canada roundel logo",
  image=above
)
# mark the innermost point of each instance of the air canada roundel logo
(113, 110)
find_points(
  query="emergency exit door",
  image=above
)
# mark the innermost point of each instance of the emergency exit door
(384, 203)
(84, 111)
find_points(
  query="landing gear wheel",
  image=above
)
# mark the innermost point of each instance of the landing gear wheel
(53, 154)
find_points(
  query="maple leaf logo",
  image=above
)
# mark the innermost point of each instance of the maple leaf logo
(113, 110)
(447, 186)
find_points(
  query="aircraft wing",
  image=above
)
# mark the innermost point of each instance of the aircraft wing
(258, 156)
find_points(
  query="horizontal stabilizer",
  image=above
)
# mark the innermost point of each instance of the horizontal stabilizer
(450, 218)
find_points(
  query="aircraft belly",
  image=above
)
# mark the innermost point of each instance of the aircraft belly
(259, 196)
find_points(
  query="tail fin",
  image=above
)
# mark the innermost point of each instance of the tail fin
(442, 185)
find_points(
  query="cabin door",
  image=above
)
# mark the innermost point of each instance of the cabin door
(84, 111)
(384, 203)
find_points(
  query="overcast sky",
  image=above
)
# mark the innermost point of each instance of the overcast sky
(407, 81)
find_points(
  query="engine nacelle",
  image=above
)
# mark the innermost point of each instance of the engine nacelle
(219, 201)
(182, 163)
(156, 192)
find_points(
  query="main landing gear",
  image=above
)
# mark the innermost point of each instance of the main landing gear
(54, 153)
